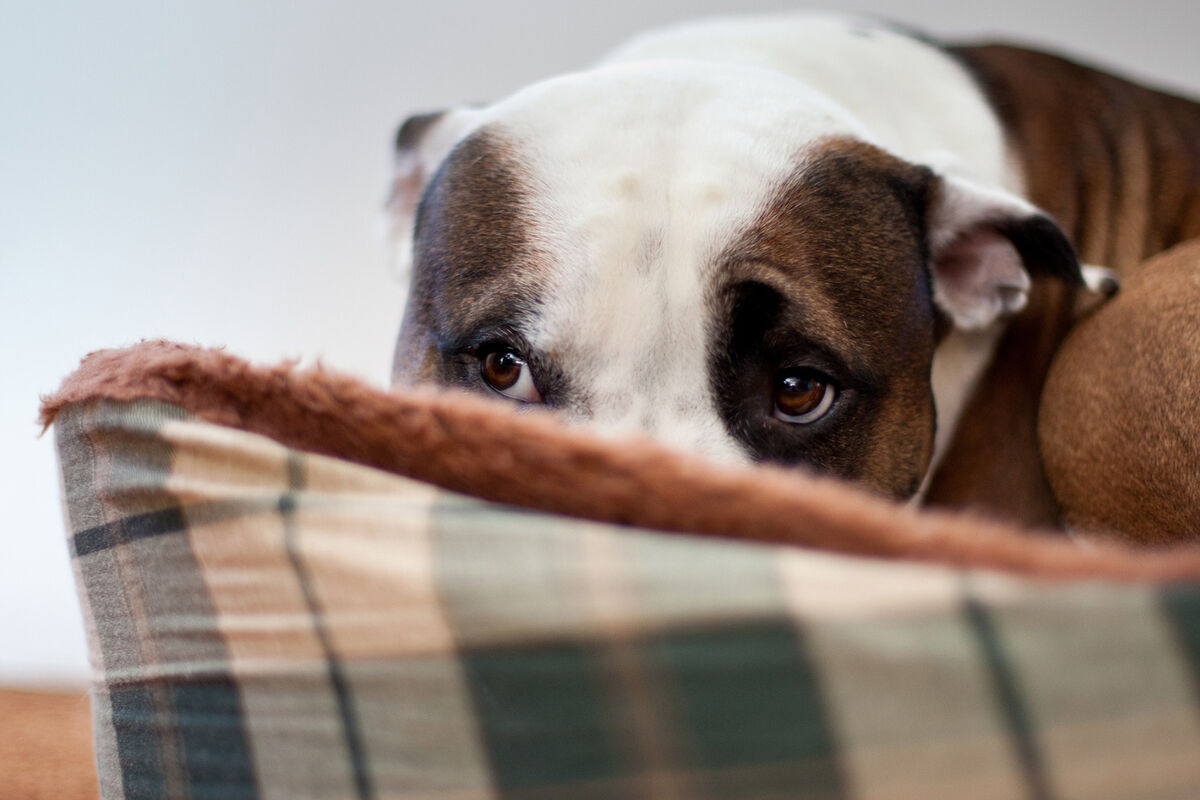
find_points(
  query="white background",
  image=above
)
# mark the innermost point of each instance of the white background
(212, 172)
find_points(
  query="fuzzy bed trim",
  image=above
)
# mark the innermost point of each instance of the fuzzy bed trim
(483, 448)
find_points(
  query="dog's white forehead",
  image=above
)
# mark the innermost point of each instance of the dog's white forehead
(640, 175)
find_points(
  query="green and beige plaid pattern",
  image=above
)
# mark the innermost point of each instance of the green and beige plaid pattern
(268, 623)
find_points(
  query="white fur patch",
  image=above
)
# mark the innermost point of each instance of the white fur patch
(958, 364)
(916, 101)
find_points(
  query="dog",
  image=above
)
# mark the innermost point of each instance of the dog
(810, 240)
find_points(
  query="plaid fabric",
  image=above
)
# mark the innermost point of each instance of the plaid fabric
(266, 623)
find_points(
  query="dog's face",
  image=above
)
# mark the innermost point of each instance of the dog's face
(708, 256)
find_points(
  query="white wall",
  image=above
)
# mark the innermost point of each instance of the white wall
(212, 172)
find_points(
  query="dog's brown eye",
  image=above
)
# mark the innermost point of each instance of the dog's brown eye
(802, 397)
(506, 372)
(502, 369)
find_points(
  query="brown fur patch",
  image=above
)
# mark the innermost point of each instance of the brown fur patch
(1120, 420)
(843, 243)
(1118, 166)
(993, 464)
(483, 448)
(475, 262)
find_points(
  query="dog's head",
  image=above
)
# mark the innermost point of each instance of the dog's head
(715, 257)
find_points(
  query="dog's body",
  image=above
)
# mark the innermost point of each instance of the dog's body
(1118, 167)
(1119, 420)
(797, 240)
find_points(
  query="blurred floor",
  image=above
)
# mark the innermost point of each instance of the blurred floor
(46, 746)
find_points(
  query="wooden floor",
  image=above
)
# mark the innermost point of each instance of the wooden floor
(46, 746)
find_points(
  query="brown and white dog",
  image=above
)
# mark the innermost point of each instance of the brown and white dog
(808, 240)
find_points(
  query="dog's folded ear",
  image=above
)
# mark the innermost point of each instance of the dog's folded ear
(421, 142)
(984, 244)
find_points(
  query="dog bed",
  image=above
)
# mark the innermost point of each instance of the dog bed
(298, 586)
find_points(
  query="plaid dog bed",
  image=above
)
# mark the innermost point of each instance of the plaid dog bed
(269, 619)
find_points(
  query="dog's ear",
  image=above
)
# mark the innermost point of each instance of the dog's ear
(421, 142)
(984, 244)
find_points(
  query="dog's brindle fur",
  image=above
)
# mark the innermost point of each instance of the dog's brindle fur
(858, 205)
(1118, 167)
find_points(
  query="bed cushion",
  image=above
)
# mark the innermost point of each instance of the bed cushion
(298, 586)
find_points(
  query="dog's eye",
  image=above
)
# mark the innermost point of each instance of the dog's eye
(505, 371)
(802, 396)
